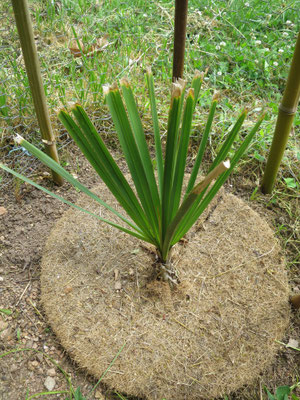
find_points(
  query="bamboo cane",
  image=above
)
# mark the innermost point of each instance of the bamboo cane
(181, 7)
(286, 114)
(32, 65)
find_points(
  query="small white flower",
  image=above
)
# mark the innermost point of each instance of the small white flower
(222, 44)
(219, 73)
(256, 61)
(275, 63)
(218, 47)
(288, 22)
(267, 49)
(247, 4)
(257, 41)
(285, 34)
(206, 78)
(280, 51)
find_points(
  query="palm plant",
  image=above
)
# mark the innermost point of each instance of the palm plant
(160, 212)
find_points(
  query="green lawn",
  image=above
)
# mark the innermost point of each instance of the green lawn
(246, 46)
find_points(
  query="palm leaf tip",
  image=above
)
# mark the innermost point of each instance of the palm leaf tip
(176, 90)
(18, 139)
(216, 96)
(181, 82)
(218, 170)
(124, 82)
(109, 88)
(226, 164)
(191, 92)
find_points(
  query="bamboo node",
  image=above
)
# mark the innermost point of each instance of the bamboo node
(287, 110)
(48, 142)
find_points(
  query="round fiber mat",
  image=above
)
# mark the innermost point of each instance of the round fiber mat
(213, 333)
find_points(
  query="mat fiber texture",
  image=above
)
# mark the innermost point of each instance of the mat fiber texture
(210, 335)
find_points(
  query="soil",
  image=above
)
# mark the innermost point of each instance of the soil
(24, 228)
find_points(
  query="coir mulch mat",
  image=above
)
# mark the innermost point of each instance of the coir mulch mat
(210, 335)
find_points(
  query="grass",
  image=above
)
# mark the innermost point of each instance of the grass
(247, 49)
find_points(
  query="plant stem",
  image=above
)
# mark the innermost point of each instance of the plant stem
(187, 204)
(181, 7)
(286, 114)
(32, 65)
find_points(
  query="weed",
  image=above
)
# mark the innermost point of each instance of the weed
(283, 392)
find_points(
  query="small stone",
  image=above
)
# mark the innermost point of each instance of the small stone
(51, 372)
(3, 210)
(49, 383)
(99, 395)
(3, 325)
(1, 279)
(13, 368)
(293, 343)
(32, 365)
(6, 334)
(40, 357)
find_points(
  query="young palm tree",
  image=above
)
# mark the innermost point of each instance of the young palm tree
(160, 212)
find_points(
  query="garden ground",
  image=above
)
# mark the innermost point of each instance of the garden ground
(247, 47)
(24, 228)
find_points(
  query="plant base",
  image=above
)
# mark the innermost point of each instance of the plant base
(208, 335)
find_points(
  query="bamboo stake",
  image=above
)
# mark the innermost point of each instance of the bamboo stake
(181, 7)
(32, 65)
(286, 114)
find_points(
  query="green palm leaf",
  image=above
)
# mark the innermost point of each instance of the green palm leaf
(132, 156)
(158, 149)
(155, 211)
(96, 153)
(132, 233)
